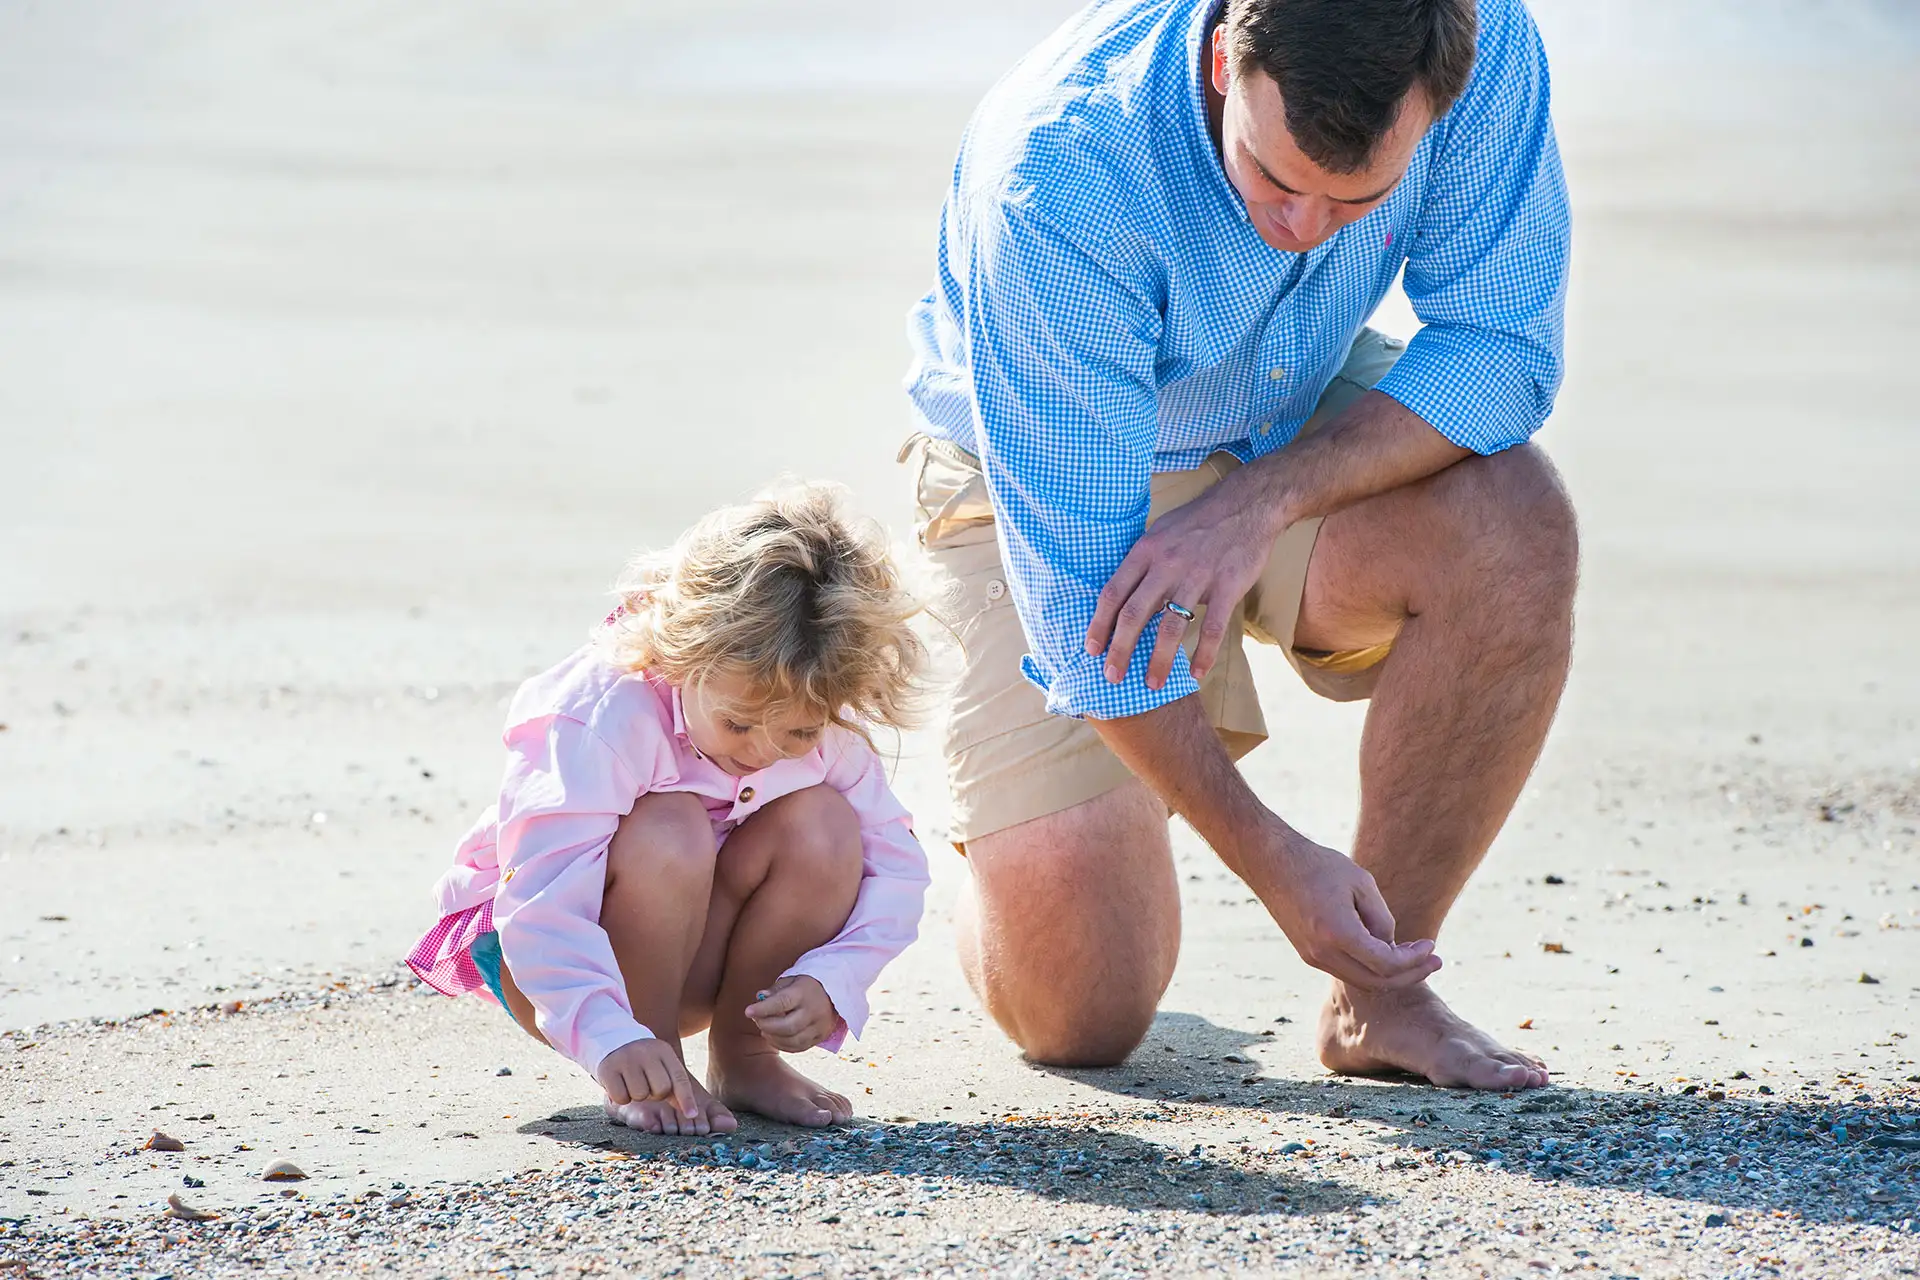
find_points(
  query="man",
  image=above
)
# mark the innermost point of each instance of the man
(1166, 230)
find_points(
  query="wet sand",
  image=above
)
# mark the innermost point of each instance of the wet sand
(349, 355)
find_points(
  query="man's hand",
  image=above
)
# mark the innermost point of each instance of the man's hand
(1332, 912)
(1329, 908)
(794, 1014)
(1210, 552)
(1206, 554)
(647, 1071)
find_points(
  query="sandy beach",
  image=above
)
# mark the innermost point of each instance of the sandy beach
(351, 350)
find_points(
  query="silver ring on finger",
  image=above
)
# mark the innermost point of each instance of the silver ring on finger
(1179, 611)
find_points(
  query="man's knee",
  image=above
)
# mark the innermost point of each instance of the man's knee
(665, 836)
(1515, 530)
(1089, 1029)
(1073, 927)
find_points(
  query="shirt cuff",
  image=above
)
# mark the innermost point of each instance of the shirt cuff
(596, 1044)
(1080, 688)
(1469, 385)
(849, 1001)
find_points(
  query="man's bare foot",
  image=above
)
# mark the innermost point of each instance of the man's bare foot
(710, 1115)
(762, 1082)
(1412, 1030)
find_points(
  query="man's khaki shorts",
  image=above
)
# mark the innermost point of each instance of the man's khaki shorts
(1008, 759)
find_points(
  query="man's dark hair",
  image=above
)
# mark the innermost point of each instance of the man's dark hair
(1344, 66)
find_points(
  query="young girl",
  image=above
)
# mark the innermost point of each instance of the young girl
(694, 831)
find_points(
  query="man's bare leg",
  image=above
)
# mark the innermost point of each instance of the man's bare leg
(1474, 569)
(1070, 929)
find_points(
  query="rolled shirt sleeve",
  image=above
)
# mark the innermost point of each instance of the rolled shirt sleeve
(886, 912)
(563, 797)
(1486, 270)
(1062, 337)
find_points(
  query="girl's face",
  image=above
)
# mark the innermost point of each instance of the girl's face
(739, 740)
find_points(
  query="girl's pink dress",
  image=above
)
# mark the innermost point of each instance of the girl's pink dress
(584, 741)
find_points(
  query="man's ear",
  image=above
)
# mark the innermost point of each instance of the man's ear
(1218, 68)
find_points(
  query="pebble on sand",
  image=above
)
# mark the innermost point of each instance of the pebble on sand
(283, 1171)
(164, 1142)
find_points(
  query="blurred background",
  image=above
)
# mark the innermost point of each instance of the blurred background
(346, 351)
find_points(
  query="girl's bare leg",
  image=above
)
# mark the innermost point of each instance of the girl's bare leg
(660, 872)
(785, 884)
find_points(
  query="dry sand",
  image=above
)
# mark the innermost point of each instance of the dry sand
(349, 351)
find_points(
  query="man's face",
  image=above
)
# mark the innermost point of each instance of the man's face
(1296, 205)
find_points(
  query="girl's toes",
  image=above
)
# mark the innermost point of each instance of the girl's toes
(635, 1115)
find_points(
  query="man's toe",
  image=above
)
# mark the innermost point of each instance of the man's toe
(1510, 1075)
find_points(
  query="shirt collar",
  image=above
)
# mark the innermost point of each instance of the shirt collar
(1198, 59)
(680, 719)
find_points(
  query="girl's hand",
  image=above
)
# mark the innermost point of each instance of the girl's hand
(647, 1071)
(795, 1014)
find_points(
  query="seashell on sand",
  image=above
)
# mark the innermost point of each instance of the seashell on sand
(178, 1208)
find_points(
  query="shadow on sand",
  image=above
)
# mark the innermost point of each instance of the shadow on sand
(1830, 1158)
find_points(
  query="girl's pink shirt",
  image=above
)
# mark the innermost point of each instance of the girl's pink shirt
(584, 741)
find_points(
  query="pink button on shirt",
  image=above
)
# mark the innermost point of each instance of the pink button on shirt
(584, 741)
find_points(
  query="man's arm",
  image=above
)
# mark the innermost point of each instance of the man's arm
(1212, 549)
(1329, 908)
(1061, 342)
(1487, 277)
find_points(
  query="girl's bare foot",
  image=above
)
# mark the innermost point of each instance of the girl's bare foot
(762, 1082)
(710, 1115)
(1412, 1030)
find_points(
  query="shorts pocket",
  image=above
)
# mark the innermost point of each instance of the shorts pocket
(971, 584)
(974, 605)
(950, 495)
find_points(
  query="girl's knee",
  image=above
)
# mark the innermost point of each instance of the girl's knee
(823, 831)
(665, 834)
(813, 833)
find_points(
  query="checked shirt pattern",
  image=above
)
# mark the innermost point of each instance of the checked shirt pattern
(1104, 310)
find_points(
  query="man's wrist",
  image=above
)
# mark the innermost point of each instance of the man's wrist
(1259, 851)
(1276, 495)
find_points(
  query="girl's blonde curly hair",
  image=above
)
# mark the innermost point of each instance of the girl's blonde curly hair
(788, 595)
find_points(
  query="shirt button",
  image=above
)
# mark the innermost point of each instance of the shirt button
(1276, 373)
(1265, 427)
(746, 795)
(996, 589)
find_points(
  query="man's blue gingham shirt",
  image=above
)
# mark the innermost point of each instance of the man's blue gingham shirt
(1106, 311)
